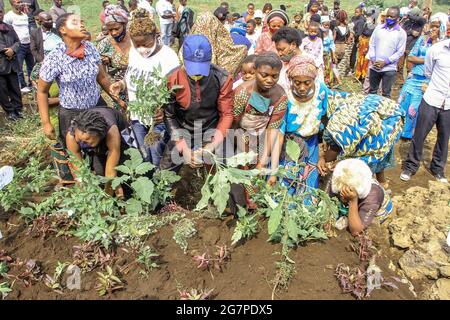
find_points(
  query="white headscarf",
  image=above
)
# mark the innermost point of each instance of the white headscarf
(353, 173)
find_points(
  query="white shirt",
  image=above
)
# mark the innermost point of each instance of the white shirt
(253, 39)
(139, 66)
(161, 7)
(20, 25)
(437, 68)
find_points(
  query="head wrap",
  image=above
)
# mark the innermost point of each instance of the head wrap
(141, 24)
(302, 66)
(353, 173)
(115, 13)
(278, 13)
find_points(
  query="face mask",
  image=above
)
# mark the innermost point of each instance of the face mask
(313, 36)
(391, 22)
(120, 37)
(288, 57)
(84, 145)
(146, 52)
(47, 25)
(259, 102)
(309, 94)
(272, 30)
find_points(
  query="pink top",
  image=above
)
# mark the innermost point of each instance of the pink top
(265, 43)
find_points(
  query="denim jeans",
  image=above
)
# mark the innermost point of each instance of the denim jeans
(24, 54)
(154, 152)
(166, 33)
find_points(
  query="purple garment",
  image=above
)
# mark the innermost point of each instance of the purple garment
(241, 40)
(387, 45)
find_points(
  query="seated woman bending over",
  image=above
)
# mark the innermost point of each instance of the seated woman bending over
(363, 196)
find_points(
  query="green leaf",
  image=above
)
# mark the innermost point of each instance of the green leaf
(143, 188)
(144, 167)
(292, 229)
(237, 235)
(123, 169)
(135, 157)
(206, 195)
(221, 198)
(292, 150)
(118, 181)
(275, 219)
(241, 159)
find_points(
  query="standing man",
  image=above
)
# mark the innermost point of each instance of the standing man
(30, 7)
(39, 35)
(20, 22)
(57, 10)
(147, 5)
(166, 19)
(336, 9)
(10, 98)
(433, 110)
(386, 46)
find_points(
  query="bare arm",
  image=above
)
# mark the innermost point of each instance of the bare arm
(104, 82)
(72, 145)
(113, 144)
(42, 100)
(354, 221)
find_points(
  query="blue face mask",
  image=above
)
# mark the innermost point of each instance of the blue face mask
(391, 22)
(313, 36)
(84, 146)
(120, 37)
(259, 102)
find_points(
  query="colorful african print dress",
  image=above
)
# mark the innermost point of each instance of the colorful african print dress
(362, 63)
(328, 48)
(365, 127)
(411, 94)
(302, 123)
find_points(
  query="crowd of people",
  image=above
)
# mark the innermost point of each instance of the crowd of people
(242, 82)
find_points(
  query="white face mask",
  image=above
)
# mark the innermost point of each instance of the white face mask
(146, 52)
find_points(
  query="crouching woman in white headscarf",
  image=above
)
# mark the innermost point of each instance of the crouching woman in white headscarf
(362, 198)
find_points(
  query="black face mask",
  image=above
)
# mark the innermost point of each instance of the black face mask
(120, 37)
(47, 25)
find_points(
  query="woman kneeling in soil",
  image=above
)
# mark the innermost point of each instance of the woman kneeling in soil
(96, 133)
(362, 196)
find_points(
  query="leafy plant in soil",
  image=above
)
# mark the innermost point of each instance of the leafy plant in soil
(195, 294)
(31, 274)
(89, 256)
(206, 262)
(4, 289)
(108, 282)
(246, 227)
(351, 280)
(217, 186)
(182, 231)
(148, 193)
(53, 282)
(3, 269)
(151, 96)
(147, 258)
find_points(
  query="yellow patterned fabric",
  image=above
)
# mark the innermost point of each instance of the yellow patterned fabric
(224, 53)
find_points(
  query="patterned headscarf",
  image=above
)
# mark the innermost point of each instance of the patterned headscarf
(278, 14)
(114, 13)
(141, 24)
(225, 53)
(302, 66)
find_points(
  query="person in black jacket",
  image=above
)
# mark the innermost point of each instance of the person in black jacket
(10, 96)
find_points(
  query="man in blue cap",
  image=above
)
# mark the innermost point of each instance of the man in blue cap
(201, 110)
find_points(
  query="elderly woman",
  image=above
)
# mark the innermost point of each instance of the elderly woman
(225, 53)
(146, 54)
(275, 20)
(412, 91)
(308, 100)
(115, 47)
(75, 65)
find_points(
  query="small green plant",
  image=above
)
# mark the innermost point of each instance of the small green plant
(3, 269)
(147, 258)
(147, 193)
(54, 282)
(217, 186)
(246, 227)
(182, 231)
(108, 282)
(5, 289)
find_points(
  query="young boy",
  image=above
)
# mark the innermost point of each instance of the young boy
(360, 194)
(247, 71)
(329, 58)
(252, 35)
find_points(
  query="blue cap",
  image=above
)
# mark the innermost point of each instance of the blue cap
(197, 55)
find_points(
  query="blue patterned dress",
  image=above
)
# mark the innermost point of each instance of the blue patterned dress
(302, 123)
(365, 127)
(411, 94)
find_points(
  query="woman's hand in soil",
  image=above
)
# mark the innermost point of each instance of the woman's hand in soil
(159, 116)
(349, 194)
(322, 167)
(49, 131)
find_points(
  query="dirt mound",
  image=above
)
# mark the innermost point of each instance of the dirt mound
(420, 227)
